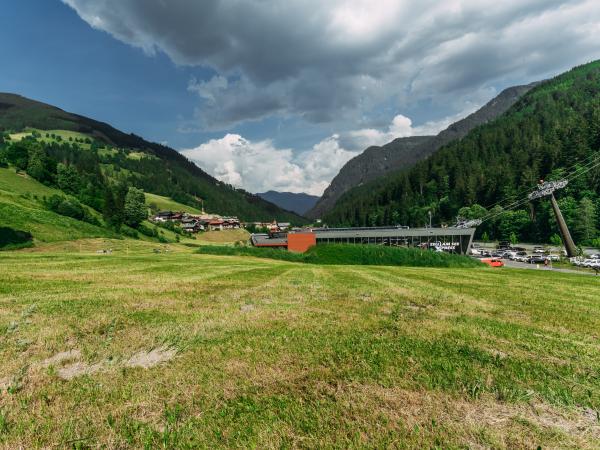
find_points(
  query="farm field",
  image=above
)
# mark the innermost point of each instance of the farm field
(157, 346)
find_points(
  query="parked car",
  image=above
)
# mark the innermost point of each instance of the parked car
(536, 259)
(590, 263)
(492, 262)
(553, 257)
(503, 245)
(519, 256)
(538, 250)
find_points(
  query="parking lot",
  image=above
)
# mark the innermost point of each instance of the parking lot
(536, 257)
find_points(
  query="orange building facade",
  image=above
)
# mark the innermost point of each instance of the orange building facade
(301, 242)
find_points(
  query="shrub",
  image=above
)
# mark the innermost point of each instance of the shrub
(70, 208)
(126, 231)
(147, 231)
(352, 255)
(11, 239)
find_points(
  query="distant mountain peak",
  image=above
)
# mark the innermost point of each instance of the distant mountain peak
(291, 201)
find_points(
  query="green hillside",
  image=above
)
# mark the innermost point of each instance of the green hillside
(550, 132)
(159, 202)
(149, 166)
(21, 209)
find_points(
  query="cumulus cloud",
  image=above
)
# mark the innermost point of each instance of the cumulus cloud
(261, 166)
(400, 127)
(338, 60)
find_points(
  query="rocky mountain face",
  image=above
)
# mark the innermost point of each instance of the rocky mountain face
(404, 153)
(372, 163)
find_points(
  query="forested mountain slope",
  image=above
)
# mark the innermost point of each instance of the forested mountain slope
(374, 162)
(160, 169)
(403, 153)
(552, 130)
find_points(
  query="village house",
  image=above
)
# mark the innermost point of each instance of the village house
(162, 216)
(166, 216)
(192, 226)
(231, 223)
(194, 223)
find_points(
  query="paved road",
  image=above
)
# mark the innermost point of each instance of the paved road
(519, 265)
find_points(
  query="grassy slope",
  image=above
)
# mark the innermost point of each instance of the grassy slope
(20, 209)
(64, 134)
(165, 203)
(277, 354)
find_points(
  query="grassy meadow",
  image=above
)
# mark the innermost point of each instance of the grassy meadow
(156, 346)
(46, 136)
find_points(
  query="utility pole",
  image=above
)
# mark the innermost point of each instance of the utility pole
(429, 218)
(546, 189)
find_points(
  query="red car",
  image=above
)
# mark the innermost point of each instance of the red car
(492, 262)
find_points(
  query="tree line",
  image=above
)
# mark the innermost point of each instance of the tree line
(76, 172)
(552, 131)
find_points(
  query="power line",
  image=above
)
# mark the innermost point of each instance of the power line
(591, 159)
(573, 175)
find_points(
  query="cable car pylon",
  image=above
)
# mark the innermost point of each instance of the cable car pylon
(547, 189)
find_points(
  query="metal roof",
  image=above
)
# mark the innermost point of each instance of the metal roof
(332, 233)
(264, 240)
(382, 232)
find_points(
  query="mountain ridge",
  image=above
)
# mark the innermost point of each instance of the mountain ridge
(297, 202)
(402, 153)
(550, 132)
(18, 112)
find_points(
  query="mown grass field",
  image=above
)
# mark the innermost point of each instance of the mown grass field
(182, 350)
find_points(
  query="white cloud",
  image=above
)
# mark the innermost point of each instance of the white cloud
(339, 60)
(260, 166)
(401, 126)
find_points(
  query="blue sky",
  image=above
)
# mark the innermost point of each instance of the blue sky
(276, 95)
(53, 56)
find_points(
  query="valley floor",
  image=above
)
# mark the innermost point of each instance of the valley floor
(157, 346)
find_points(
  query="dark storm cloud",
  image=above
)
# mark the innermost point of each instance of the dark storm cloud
(338, 60)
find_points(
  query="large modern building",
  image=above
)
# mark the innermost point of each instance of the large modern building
(453, 240)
